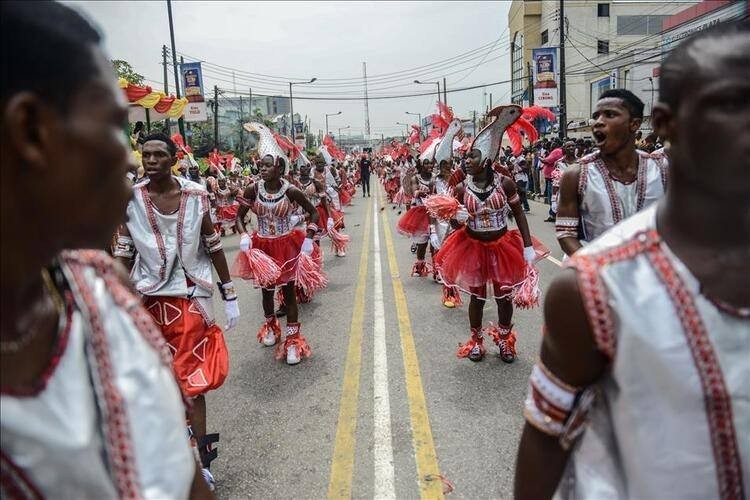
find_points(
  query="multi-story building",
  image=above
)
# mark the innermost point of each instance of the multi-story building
(608, 44)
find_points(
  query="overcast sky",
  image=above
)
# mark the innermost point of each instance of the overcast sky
(327, 40)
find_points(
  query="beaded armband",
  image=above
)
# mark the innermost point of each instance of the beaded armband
(312, 227)
(556, 408)
(514, 200)
(212, 242)
(125, 247)
(227, 291)
(566, 227)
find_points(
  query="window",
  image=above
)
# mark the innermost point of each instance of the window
(545, 36)
(602, 46)
(518, 83)
(602, 10)
(639, 25)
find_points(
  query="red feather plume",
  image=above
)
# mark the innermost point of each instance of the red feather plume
(515, 140)
(522, 125)
(533, 112)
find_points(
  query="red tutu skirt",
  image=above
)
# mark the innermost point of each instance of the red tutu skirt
(415, 222)
(227, 213)
(472, 264)
(345, 197)
(283, 250)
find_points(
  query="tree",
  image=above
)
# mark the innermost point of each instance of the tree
(126, 71)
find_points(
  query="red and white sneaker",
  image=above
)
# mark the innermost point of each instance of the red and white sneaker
(420, 269)
(294, 347)
(505, 339)
(474, 349)
(270, 333)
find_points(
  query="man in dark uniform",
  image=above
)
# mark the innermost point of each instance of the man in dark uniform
(364, 170)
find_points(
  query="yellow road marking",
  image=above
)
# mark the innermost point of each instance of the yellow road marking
(342, 464)
(424, 447)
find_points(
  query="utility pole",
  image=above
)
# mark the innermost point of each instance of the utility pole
(563, 126)
(445, 92)
(216, 118)
(474, 122)
(166, 79)
(531, 84)
(367, 107)
(180, 121)
(291, 110)
(490, 108)
(242, 142)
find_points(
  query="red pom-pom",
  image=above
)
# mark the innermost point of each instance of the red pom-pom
(441, 206)
(339, 240)
(257, 266)
(527, 295)
(308, 275)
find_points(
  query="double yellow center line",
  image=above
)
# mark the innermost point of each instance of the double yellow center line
(342, 466)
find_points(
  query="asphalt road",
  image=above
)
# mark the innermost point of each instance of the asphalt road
(383, 409)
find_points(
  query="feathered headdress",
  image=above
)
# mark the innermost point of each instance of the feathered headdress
(267, 143)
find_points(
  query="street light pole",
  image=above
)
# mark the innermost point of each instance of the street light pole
(330, 114)
(406, 126)
(342, 128)
(431, 83)
(291, 103)
(419, 115)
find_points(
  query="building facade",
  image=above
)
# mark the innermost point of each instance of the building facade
(608, 44)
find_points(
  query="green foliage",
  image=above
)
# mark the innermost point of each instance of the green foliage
(123, 69)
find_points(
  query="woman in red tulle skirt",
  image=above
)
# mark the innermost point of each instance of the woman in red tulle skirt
(277, 254)
(415, 223)
(485, 255)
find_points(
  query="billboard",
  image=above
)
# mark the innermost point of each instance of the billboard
(192, 87)
(545, 74)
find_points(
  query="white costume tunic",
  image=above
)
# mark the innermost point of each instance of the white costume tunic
(331, 185)
(107, 420)
(672, 416)
(170, 247)
(603, 201)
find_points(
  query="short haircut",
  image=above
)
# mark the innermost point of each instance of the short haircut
(629, 100)
(46, 50)
(160, 136)
(680, 64)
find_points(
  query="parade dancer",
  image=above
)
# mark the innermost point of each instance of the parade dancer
(334, 219)
(226, 206)
(484, 253)
(89, 406)
(440, 230)
(170, 230)
(415, 223)
(568, 160)
(271, 257)
(641, 387)
(613, 183)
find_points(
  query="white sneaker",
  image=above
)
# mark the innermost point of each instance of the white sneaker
(209, 478)
(340, 253)
(269, 338)
(292, 355)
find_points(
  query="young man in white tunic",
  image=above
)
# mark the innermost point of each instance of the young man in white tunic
(641, 389)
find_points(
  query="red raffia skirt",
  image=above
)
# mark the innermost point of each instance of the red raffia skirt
(283, 250)
(345, 196)
(227, 213)
(414, 223)
(471, 264)
(200, 356)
